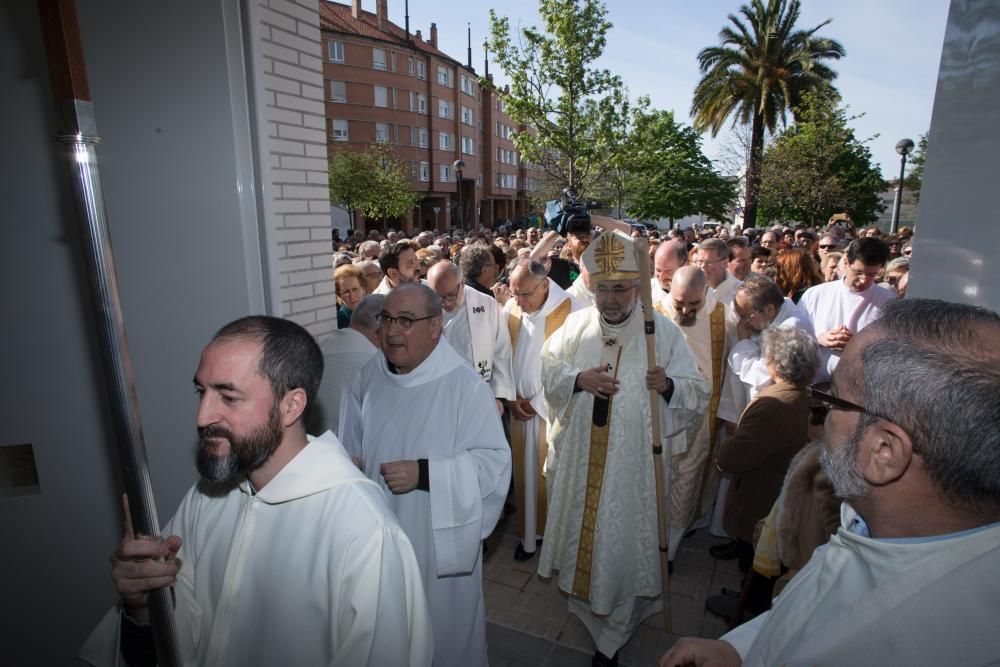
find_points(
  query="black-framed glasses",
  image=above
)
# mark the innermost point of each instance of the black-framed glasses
(404, 322)
(831, 402)
(828, 247)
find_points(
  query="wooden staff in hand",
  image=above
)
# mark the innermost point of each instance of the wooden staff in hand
(641, 247)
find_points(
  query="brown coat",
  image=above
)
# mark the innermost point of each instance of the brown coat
(771, 431)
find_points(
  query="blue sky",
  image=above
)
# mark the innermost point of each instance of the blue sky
(890, 72)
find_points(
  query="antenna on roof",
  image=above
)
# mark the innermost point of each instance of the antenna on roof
(486, 61)
(469, 32)
(407, 10)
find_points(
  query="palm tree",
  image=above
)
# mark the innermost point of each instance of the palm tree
(761, 68)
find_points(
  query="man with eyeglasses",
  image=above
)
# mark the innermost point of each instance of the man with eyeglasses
(424, 426)
(372, 273)
(709, 332)
(538, 307)
(712, 257)
(828, 243)
(835, 311)
(602, 531)
(910, 577)
(475, 327)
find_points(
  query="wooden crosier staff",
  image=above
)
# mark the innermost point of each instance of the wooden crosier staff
(641, 247)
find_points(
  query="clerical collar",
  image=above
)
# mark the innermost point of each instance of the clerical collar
(612, 331)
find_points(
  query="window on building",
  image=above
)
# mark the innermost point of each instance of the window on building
(381, 96)
(413, 135)
(479, 181)
(444, 76)
(445, 173)
(468, 85)
(499, 104)
(413, 101)
(444, 109)
(422, 103)
(421, 70)
(335, 51)
(422, 136)
(392, 59)
(339, 128)
(378, 59)
(425, 171)
(467, 116)
(409, 65)
(508, 181)
(394, 105)
(382, 133)
(338, 91)
(444, 141)
(468, 146)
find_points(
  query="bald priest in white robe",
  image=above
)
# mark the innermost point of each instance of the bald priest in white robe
(537, 309)
(424, 425)
(707, 327)
(476, 328)
(912, 576)
(601, 535)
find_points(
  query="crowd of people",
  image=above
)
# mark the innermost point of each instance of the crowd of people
(844, 438)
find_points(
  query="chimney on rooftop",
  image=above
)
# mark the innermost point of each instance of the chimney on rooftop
(468, 27)
(433, 41)
(356, 8)
(382, 13)
(407, 10)
(418, 37)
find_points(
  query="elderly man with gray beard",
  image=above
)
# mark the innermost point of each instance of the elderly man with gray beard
(912, 576)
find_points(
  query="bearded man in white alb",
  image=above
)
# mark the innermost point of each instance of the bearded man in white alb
(290, 555)
(425, 426)
(708, 330)
(912, 576)
(475, 327)
(601, 535)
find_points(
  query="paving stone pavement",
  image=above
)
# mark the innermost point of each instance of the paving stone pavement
(529, 624)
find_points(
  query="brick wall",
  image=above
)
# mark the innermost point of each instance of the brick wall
(297, 142)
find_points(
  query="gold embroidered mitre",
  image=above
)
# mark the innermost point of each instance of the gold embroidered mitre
(611, 257)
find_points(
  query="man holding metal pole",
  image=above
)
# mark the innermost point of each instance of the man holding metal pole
(284, 553)
(602, 534)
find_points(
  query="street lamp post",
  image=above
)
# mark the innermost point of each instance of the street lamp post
(459, 165)
(904, 147)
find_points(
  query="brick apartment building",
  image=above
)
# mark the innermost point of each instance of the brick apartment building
(383, 84)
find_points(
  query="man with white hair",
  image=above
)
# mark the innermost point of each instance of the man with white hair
(345, 351)
(537, 309)
(371, 271)
(911, 442)
(709, 332)
(369, 249)
(602, 532)
(475, 327)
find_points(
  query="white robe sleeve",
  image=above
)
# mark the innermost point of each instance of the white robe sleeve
(502, 380)
(559, 371)
(350, 427)
(382, 614)
(468, 489)
(691, 390)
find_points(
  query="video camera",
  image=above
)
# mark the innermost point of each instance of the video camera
(573, 215)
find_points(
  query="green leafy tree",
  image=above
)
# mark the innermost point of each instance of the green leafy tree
(391, 197)
(352, 181)
(761, 68)
(817, 167)
(668, 175)
(556, 89)
(373, 182)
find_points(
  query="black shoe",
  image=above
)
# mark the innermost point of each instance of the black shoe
(727, 551)
(601, 660)
(724, 605)
(521, 555)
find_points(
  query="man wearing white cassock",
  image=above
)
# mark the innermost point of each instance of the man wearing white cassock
(285, 554)
(911, 576)
(424, 425)
(669, 256)
(538, 308)
(476, 328)
(602, 523)
(707, 327)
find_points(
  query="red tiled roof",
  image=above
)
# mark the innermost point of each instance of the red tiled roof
(336, 17)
